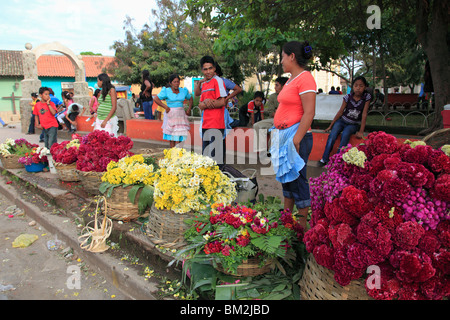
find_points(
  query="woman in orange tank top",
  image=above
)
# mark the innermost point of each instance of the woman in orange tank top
(292, 137)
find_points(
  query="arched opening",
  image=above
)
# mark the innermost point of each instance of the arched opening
(31, 82)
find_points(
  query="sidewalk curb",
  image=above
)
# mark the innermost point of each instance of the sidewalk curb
(129, 282)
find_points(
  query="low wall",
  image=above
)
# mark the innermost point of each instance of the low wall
(239, 140)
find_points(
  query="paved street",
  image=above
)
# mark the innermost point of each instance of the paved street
(35, 272)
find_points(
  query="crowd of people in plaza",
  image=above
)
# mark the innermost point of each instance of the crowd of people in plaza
(287, 114)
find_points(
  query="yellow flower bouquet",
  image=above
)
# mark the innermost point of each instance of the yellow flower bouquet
(136, 172)
(189, 182)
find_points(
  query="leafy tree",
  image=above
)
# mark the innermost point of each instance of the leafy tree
(174, 44)
(331, 28)
(89, 53)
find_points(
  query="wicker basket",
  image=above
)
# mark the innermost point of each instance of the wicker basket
(167, 228)
(158, 153)
(90, 180)
(318, 283)
(11, 161)
(120, 207)
(67, 172)
(438, 138)
(249, 268)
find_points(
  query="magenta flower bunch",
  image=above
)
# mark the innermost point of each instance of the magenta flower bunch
(392, 210)
(99, 148)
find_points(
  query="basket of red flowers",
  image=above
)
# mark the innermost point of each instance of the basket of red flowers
(96, 150)
(380, 221)
(65, 156)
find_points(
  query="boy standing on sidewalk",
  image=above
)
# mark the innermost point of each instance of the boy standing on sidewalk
(212, 103)
(45, 111)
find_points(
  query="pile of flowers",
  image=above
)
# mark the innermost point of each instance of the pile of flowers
(99, 148)
(130, 170)
(65, 152)
(36, 155)
(228, 235)
(189, 182)
(18, 146)
(385, 204)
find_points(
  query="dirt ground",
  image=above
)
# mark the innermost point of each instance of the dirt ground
(35, 272)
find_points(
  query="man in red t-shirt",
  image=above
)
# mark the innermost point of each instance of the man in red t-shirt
(45, 111)
(212, 103)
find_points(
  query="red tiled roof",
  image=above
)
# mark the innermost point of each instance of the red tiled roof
(11, 63)
(61, 66)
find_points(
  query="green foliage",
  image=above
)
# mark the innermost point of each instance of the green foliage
(145, 198)
(173, 44)
(89, 53)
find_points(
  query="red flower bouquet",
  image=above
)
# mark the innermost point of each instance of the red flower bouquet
(386, 205)
(99, 148)
(65, 152)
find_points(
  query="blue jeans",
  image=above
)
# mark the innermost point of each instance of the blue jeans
(299, 188)
(147, 106)
(31, 128)
(50, 136)
(340, 126)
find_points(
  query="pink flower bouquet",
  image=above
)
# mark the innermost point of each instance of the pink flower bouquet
(99, 148)
(385, 204)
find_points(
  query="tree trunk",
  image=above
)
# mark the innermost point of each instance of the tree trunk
(433, 38)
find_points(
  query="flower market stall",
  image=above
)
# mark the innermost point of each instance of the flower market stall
(11, 150)
(380, 222)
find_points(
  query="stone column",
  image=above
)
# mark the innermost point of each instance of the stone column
(30, 84)
(80, 87)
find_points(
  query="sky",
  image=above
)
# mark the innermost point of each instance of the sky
(80, 25)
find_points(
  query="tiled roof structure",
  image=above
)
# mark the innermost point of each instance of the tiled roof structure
(11, 63)
(53, 65)
(61, 66)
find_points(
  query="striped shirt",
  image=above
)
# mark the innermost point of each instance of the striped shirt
(354, 109)
(104, 107)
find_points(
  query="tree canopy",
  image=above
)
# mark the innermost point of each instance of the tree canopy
(410, 32)
(173, 44)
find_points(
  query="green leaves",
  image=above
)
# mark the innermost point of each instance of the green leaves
(145, 198)
(271, 245)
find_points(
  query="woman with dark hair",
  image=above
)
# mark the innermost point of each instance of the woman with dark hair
(351, 115)
(175, 123)
(93, 103)
(106, 111)
(146, 95)
(291, 137)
